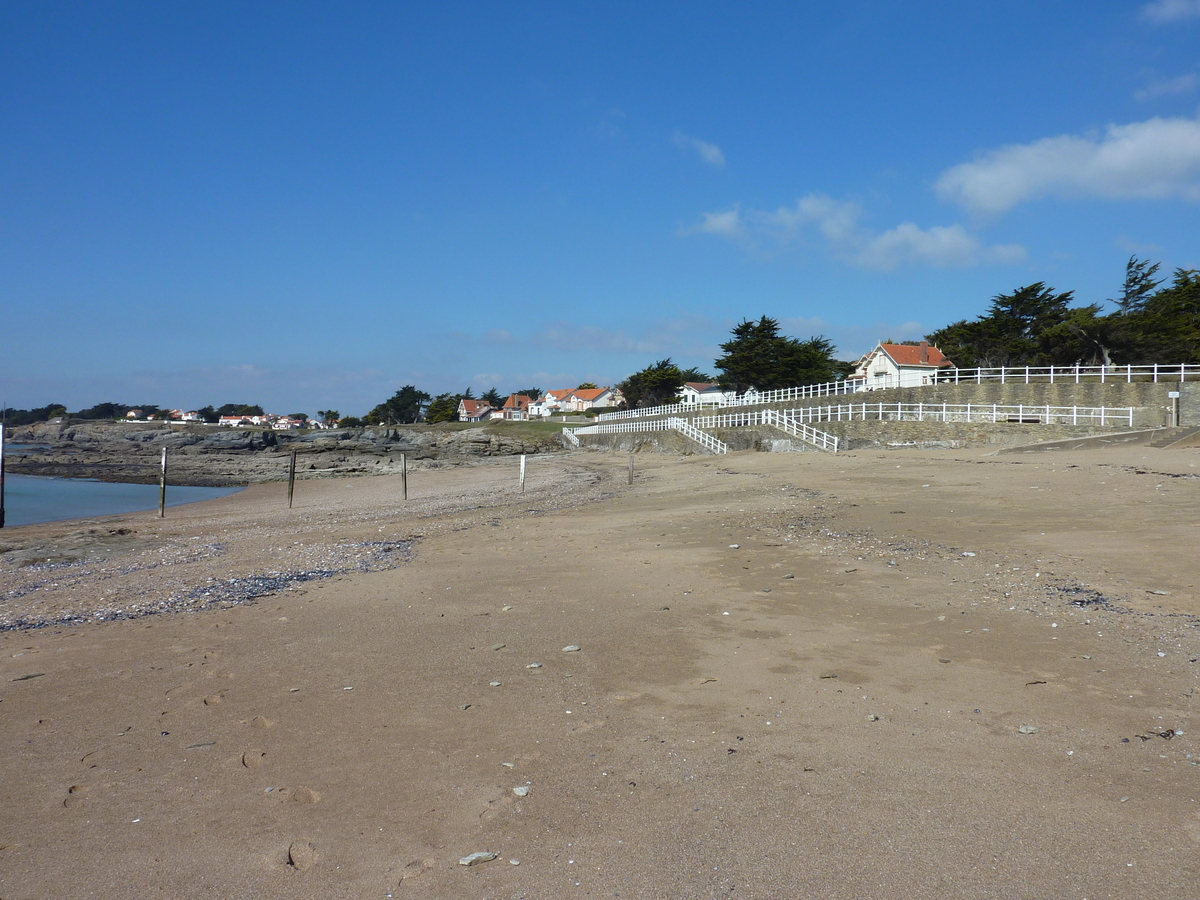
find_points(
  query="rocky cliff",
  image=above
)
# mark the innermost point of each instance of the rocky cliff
(206, 455)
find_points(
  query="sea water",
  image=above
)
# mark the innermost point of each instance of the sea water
(29, 499)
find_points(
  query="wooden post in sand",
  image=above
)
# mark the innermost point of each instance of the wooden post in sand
(162, 487)
(291, 478)
(404, 473)
(631, 468)
(522, 473)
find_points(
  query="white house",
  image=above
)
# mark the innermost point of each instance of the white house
(473, 410)
(701, 393)
(900, 365)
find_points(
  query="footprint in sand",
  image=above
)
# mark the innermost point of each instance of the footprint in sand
(253, 758)
(76, 794)
(305, 795)
(415, 869)
(302, 855)
(262, 722)
(212, 700)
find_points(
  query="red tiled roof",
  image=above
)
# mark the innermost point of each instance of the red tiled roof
(590, 393)
(916, 355)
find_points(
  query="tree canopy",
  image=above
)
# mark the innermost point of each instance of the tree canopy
(758, 356)
(403, 408)
(654, 385)
(1035, 326)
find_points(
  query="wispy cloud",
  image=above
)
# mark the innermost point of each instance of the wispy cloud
(1182, 84)
(837, 222)
(1155, 159)
(1161, 12)
(710, 153)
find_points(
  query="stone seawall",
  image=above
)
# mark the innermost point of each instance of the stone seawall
(1151, 400)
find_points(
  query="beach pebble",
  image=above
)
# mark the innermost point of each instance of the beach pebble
(499, 646)
(968, 553)
(789, 576)
(734, 546)
(505, 608)
(302, 855)
(521, 790)
(534, 666)
(514, 862)
(872, 718)
(481, 856)
(571, 648)
(1028, 729)
(493, 684)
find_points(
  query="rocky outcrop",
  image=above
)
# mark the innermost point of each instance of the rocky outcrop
(206, 455)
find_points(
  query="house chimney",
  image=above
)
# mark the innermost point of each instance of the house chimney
(925, 352)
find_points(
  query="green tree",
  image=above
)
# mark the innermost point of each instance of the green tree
(301, 416)
(587, 386)
(1167, 327)
(350, 422)
(1139, 286)
(758, 356)
(443, 408)
(654, 385)
(1010, 334)
(404, 407)
(208, 414)
(103, 411)
(329, 416)
(492, 398)
(531, 393)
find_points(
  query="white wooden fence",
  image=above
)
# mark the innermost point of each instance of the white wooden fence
(967, 412)
(1009, 375)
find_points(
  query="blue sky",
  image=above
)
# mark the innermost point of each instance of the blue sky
(308, 205)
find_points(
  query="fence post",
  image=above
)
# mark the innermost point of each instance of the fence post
(630, 468)
(404, 473)
(162, 487)
(522, 473)
(291, 478)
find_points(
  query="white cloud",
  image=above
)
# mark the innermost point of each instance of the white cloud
(1164, 11)
(1155, 159)
(1182, 84)
(726, 224)
(710, 153)
(939, 246)
(837, 221)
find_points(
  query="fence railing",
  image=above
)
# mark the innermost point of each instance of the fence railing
(1007, 375)
(1068, 374)
(787, 423)
(703, 438)
(966, 412)
(684, 427)
(569, 438)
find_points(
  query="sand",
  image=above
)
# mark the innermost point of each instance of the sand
(835, 706)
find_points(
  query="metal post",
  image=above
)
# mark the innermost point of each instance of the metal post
(522, 473)
(291, 478)
(631, 468)
(404, 473)
(162, 487)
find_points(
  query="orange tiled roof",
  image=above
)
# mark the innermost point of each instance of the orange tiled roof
(916, 355)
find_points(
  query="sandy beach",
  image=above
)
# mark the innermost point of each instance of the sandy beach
(870, 675)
